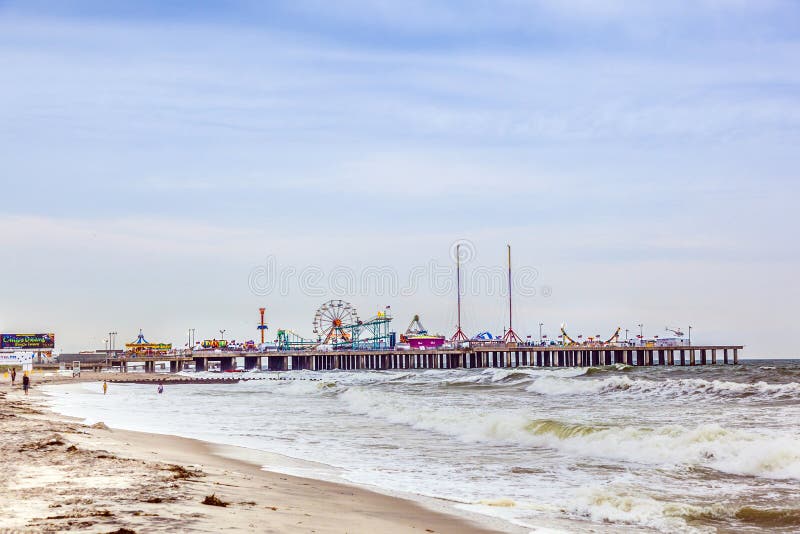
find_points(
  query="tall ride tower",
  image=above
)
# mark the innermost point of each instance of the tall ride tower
(262, 326)
(459, 336)
(510, 336)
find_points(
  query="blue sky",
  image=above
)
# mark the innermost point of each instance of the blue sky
(640, 156)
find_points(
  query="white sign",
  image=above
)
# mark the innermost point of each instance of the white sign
(25, 359)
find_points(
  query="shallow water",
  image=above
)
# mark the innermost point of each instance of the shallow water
(666, 449)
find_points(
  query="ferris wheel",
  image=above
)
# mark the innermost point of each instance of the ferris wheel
(331, 320)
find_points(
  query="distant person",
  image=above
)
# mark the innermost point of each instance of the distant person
(13, 376)
(26, 383)
(105, 387)
(160, 388)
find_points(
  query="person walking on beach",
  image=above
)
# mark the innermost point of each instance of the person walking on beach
(105, 387)
(13, 376)
(26, 382)
(160, 388)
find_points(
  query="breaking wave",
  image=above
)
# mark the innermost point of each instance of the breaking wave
(617, 367)
(620, 506)
(709, 445)
(616, 505)
(495, 376)
(683, 387)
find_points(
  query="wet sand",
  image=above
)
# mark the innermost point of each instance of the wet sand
(61, 475)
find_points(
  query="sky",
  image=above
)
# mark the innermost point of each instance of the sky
(168, 165)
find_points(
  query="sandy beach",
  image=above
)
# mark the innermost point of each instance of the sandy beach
(62, 475)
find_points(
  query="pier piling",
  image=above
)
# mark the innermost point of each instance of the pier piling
(477, 357)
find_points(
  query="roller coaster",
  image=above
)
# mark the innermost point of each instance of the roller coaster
(568, 340)
(368, 335)
(289, 340)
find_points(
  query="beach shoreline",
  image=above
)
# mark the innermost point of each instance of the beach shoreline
(65, 475)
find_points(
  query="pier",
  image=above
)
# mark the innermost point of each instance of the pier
(473, 357)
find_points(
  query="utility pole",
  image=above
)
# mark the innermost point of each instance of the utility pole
(690, 335)
(540, 332)
(222, 334)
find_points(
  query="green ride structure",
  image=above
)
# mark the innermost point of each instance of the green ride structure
(338, 327)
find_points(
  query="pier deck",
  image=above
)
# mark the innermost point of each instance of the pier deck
(475, 357)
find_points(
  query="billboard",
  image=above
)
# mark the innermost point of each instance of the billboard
(27, 341)
(214, 344)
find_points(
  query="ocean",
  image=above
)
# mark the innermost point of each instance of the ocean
(618, 448)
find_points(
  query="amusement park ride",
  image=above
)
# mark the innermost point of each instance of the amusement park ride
(568, 340)
(510, 336)
(417, 337)
(459, 336)
(337, 326)
(262, 327)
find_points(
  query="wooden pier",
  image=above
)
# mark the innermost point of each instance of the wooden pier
(476, 357)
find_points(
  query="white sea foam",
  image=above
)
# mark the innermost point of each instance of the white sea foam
(555, 385)
(620, 505)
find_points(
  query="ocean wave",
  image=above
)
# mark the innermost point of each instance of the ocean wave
(486, 377)
(709, 445)
(508, 377)
(554, 385)
(616, 505)
(622, 506)
(751, 516)
(682, 387)
(617, 367)
(769, 517)
(305, 387)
